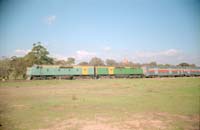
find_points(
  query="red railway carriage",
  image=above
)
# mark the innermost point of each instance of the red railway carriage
(154, 71)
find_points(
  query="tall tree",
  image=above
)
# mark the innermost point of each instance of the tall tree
(60, 62)
(4, 68)
(111, 62)
(184, 64)
(96, 61)
(18, 67)
(38, 55)
(70, 61)
(83, 63)
(153, 63)
(192, 65)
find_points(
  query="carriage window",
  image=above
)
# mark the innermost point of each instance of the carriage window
(76, 69)
(47, 69)
(58, 69)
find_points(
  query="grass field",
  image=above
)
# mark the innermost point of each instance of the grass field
(107, 104)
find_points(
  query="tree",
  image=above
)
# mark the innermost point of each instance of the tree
(60, 62)
(4, 68)
(136, 65)
(95, 61)
(184, 64)
(111, 62)
(192, 65)
(70, 61)
(83, 63)
(38, 55)
(153, 63)
(131, 64)
(167, 65)
(18, 67)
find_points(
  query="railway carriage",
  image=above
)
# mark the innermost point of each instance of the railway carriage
(193, 71)
(155, 71)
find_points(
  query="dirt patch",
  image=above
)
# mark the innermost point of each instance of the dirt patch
(116, 85)
(191, 122)
(194, 118)
(144, 121)
(58, 108)
(19, 106)
(81, 125)
(98, 126)
(141, 121)
(144, 124)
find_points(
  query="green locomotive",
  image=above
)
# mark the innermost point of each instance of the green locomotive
(73, 72)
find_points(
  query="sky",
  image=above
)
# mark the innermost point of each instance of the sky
(165, 31)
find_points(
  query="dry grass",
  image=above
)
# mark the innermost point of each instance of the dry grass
(117, 104)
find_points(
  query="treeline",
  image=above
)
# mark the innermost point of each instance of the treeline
(15, 67)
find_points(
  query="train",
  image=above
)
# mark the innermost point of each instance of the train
(96, 72)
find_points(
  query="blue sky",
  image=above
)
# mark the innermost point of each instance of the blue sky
(166, 31)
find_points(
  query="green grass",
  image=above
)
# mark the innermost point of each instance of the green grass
(27, 105)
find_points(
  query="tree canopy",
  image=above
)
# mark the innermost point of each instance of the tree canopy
(38, 55)
(96, 61)
(83, 63)
(4, 68)
(70, 61)
(111, 62)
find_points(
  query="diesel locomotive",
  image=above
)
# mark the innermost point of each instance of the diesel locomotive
(76, 72)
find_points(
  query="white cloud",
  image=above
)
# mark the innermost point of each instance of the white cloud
(84, 55)
(21, 52)
(59, 56)
(50, 19)
(192, 59)
(80, 55)
(149, 54)
(170, 56)
(107, 48)
(171, 52)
